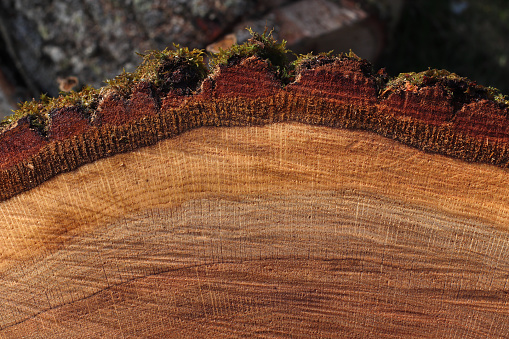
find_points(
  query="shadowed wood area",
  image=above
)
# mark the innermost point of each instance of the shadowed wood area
(283, 230)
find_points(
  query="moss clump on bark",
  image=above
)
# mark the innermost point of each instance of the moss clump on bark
(461, 88)
(263, 46)
(38, 110)
(310, 60)
(182, 70)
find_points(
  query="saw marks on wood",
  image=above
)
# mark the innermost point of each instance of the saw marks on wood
(306, 265)
(294, 265)
(281, 230)
(276, 298)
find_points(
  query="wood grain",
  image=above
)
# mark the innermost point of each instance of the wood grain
(245, 204)
(282, 230)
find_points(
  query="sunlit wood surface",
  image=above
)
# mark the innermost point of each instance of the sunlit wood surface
(285, 230)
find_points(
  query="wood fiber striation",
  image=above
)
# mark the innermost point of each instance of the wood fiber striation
(442, 116)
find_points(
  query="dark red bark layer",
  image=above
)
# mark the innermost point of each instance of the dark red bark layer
(337, 93)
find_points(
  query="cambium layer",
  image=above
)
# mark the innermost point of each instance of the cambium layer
(434, 111)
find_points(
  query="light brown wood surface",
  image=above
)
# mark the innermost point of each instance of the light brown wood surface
(286, 230)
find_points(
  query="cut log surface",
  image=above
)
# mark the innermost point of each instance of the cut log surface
(318, 209)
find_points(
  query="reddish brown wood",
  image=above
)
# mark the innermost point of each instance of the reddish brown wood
(328, 91)
(19, 143)
(275, 228)
(67, 122)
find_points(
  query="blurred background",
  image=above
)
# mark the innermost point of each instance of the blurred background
(52, 45)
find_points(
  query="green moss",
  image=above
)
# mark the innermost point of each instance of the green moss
(122, 83)
(38, 111)
(35, 111)
(310, 60)
(87, 99)
(495, 95)
(425, 78)
(154, 62)
(263, 46)
(461, 88)
(180, 69)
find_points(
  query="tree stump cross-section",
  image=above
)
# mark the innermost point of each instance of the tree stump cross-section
(244, 203)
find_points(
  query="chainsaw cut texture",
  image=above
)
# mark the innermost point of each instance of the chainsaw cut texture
(254, 202)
